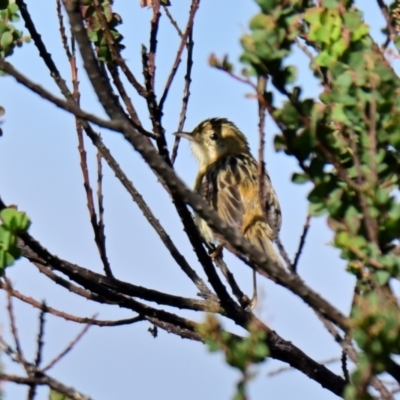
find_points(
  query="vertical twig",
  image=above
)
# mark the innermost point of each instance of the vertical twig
(184, 42)
(154, 23)
(39, 339)
(124, 95)
(186, 95)
(64, 38)
(242, 298)
(98, 229)
(301, 243)
(343, 360)
(14, 331)
(172, 20)
(39, 349)
(116, 58)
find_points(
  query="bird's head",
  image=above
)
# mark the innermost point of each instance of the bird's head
(215, 138)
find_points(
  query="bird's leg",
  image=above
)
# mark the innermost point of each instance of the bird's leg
(254, 299)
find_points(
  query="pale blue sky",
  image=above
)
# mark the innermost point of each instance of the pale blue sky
(41, 174)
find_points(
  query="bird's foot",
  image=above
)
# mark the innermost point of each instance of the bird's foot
(217, 253)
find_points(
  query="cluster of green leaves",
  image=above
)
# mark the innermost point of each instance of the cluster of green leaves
(347, 144)
(240, 353)
(54, 395)
(9, 35)
(273, 32)
(394, 8)
(94, 18)
(13, 223)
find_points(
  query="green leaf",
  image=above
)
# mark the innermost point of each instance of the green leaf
(267, 5)
(54, 395)
(14, 220)
(6, 39)
(13, 8)
(330, 3)
(6, 259)
(317, 209)
(300, 178)
(382, 277)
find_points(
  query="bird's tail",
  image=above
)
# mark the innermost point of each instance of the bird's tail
(260, 234)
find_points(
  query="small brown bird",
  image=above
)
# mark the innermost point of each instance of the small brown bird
(228, 182)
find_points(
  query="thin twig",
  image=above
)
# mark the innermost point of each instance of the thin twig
(64, 39)
(100, 203)
(172, 20)
(283, 252)
(301, 243)
(13, 325)
(343, 360)
(125, 98)
(153, 108)
(116, 58)
(73, 318)
(186, 94)
(39, 339)
(242, 298)
(189, 28)
(115, 53)
(154, 24)
(98, 231)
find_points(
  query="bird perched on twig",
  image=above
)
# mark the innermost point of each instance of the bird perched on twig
(228, 181)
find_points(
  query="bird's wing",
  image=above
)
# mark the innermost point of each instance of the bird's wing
(230, 186)
(272, 207)
(220, 188)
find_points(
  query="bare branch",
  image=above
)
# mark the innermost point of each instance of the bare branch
(70, 392)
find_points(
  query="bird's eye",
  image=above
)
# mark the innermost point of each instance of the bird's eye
(213, 136)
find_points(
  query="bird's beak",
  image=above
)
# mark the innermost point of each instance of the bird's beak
(185, 135)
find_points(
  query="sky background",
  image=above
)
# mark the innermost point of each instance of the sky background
(41, 174)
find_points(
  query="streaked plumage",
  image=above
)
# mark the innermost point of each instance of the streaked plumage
(228, 181)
